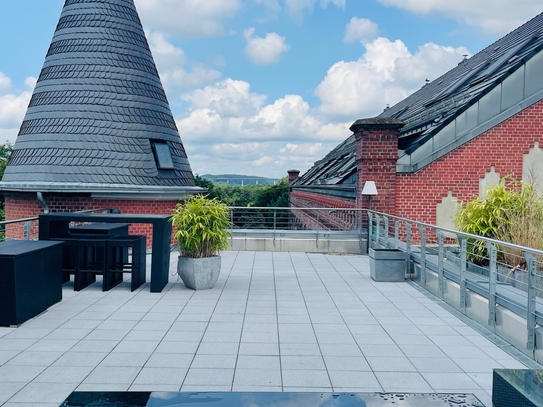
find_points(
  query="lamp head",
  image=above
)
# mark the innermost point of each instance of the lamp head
(369, 188)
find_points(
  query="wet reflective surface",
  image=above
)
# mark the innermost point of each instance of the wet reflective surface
(517, 387)
(276, 399)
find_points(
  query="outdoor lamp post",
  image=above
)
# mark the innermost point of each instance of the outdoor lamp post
(369, 190)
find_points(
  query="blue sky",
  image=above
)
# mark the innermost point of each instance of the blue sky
(259, 87)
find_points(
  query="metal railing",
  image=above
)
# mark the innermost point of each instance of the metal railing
(296, 222)
(27, 228)
(508, 275)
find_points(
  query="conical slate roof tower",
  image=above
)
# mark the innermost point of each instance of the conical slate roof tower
(99, 120)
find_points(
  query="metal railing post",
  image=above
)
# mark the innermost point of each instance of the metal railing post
(317, 236)
(274, 225)
(440, 273)
(370, 232)
(407, 245)
(492, 251)
(530, 317)
(463, 259)
(422, 231)
(377, 230)
(26, 230)
(385, 219)
(396, 233)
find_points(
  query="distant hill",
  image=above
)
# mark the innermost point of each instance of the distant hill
(239, 180)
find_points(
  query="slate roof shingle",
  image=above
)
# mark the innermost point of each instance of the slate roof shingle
(97, 107)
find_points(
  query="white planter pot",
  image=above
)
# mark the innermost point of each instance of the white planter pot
(199, 274)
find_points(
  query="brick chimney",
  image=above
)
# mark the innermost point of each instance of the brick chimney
(292, 175)
(376, 157)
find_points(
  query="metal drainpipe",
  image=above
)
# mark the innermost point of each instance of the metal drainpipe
(41, 200)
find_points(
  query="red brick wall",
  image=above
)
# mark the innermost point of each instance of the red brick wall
(376, 156)
(27, 206)
(459, 171)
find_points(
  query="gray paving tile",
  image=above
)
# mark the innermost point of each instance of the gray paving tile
(64, 374)
(454, 381)
(293, 349)
(365, 381)
(218, 361)
(390, 364)
(257, 377)
(306, 378)
(437, 365)
(112, 375)
(136, 346)
(39, 393)
(178, 347)
(29, 358)
(329, 349)
(262, 349)
(211, 377)
(13, 373)
(127, 359)
(381, 350)
(7, 355)
(484, 380)
(161, 376)
(258, 362)
(302, 362)
(218, 348)
(478, 365)
(8, 389)
(403, 382)
(343, 363)
(80, 359)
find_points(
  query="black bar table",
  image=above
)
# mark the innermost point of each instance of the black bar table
(30, 279)
(57, 225)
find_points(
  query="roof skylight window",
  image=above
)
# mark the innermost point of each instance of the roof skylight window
(163, 155)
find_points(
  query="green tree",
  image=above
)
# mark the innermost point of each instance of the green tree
(5, 152)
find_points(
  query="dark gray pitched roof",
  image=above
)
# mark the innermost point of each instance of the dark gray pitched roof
(438, 103)
(97, 109)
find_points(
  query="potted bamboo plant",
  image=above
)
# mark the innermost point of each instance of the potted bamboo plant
(201, 229)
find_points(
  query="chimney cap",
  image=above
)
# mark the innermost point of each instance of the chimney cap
(377, 123)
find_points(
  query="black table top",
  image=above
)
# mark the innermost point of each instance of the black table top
(100, 226)
(275, 399)
(19, 247)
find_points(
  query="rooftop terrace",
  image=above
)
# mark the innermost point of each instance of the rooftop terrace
(274, 322)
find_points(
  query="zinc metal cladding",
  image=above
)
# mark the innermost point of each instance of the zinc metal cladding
(98, 105)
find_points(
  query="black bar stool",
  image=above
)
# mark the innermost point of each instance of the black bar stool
(118, 263)
(91, 260)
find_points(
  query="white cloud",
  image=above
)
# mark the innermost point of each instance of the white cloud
(172, 62)
(13, 107)
(5, 82)
(385, 74)
(228, 98)
(262, 161)
(360, 29)
(494, 17)
(187, 18)
(264, 51)
(229, 122)
(297, 8)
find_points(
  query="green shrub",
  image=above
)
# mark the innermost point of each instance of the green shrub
(511, 212)
(201, 226)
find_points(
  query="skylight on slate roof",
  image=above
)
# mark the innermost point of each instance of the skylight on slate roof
(99, 113)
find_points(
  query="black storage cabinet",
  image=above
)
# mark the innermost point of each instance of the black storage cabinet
(30, 279)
